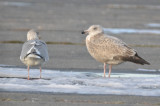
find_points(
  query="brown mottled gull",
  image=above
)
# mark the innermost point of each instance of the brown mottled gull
(34, 51)
(108, 49)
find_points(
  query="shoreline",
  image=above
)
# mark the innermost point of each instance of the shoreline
(121, 70)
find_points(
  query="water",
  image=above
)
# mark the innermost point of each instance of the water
(56, 81)
(131, 31)
(156, 25)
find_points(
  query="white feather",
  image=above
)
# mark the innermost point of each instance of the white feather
(34, 56)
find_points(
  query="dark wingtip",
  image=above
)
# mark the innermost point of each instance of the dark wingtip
(142, 60)
(136, 59)
(147, 63)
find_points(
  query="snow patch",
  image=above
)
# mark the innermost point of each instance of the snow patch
(80, 82)
(146, 70)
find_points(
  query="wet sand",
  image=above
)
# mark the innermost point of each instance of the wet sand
(44, 99)
(62, 21)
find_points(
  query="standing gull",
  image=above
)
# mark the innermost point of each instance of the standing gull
(34, 51)
(108, 49)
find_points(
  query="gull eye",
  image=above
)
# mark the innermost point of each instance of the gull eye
(95, 28)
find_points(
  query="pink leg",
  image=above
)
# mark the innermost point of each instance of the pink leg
(40, 72)
(110, 69)
(28, 72)
(104, 69)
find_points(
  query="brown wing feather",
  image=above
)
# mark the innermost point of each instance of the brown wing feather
(103, 48)
(136, 59)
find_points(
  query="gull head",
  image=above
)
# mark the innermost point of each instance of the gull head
(93, 30)
(32, 34)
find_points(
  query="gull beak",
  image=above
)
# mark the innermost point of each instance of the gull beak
(85, 32)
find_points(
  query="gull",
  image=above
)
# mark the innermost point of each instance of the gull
(108, 49)
(34, 51)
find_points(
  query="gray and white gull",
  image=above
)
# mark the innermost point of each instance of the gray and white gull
(108, 49)
(34, 51)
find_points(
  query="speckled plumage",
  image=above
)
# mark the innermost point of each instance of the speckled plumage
(108, 49)
(105, 49)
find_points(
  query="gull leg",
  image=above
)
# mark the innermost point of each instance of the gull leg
(40, 71)
(104, 69)
(28, 72)
(110, 69)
